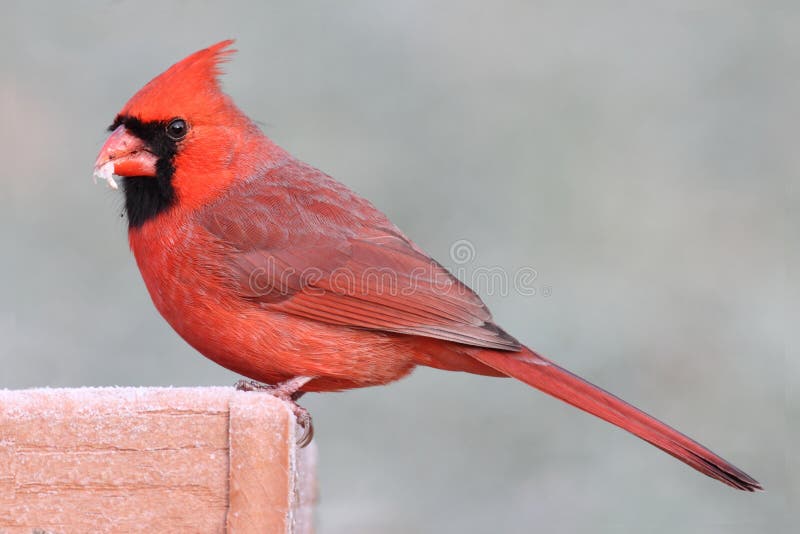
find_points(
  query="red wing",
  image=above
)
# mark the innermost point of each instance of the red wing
(298, 242)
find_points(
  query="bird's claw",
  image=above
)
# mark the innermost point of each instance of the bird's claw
(304, 420)
(251, 385)
(287, 392)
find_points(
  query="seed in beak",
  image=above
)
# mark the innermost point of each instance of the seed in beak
(106, 172)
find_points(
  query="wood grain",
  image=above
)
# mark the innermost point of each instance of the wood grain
(134, 460)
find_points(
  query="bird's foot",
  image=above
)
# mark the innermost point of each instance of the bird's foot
(287, 391)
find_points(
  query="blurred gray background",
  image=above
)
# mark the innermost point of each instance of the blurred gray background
(641, 157)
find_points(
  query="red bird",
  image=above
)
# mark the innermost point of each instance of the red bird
(278, 272)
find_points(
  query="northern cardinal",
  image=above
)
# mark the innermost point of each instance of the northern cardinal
(276, 271)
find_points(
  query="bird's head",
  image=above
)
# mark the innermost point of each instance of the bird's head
(175, 141)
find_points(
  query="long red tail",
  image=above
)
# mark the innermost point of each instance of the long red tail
(541, 373)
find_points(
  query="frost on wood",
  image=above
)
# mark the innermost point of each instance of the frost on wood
(117, 459)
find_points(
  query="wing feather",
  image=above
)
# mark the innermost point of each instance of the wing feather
(296, 241)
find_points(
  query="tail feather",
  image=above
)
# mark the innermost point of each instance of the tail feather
(541, 373)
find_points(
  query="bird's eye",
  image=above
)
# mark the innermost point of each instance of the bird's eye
(176, 129)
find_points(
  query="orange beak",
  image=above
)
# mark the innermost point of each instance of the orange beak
(124, 154)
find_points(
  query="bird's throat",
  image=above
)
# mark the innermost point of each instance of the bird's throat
(147, 197)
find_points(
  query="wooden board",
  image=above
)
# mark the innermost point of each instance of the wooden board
(152, 459)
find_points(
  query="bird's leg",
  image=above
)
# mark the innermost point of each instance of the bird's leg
(287, 391)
